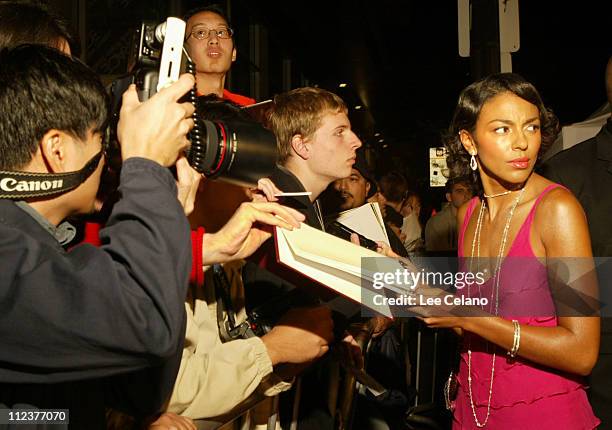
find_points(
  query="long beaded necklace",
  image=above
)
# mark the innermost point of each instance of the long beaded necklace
(494, 291)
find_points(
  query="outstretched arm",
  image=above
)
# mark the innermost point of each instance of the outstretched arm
(244, 233)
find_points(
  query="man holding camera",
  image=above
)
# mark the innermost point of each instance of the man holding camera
(71, 318)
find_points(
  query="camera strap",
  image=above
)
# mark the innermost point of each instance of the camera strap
(228, 328)
(24, 185)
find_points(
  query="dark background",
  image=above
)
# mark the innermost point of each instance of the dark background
(399, 58)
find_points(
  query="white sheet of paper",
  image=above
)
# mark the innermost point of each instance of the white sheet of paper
(332, 261)
(366, 220)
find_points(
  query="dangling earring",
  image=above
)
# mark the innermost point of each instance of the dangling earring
(473, 164)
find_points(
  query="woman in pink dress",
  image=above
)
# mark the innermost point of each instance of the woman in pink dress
(522, 367)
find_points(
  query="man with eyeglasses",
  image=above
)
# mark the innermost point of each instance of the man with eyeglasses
(208, 39)
(210, 45)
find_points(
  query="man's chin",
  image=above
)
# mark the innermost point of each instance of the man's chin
(216, 67)
(346, 205)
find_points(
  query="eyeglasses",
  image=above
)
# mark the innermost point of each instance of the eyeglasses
(202, 33)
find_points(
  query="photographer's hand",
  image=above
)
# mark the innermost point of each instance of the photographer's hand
(386, 250)
(187, 183)
(171, 421)
(156, 129)
(264, 192)
(246, 230)
(301, 335)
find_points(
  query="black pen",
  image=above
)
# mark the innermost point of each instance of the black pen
(368, 243)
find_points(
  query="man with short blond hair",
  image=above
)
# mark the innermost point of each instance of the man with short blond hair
(299, 112)
(315, 142)
(316, 147)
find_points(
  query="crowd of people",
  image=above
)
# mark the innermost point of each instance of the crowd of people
(173, 308)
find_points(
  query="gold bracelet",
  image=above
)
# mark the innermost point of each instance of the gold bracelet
(516, 342)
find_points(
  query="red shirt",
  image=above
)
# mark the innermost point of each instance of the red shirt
(238, 99)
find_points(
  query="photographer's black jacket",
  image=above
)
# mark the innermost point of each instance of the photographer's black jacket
(70, 320)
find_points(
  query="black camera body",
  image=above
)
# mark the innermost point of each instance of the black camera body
(145, 56)
(240, 152)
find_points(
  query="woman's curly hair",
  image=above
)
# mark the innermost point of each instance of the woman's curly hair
(470, 103)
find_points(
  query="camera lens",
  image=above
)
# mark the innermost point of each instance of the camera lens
(238, 151)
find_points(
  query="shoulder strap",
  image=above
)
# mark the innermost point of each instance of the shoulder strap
(468, 214)
(521, 244)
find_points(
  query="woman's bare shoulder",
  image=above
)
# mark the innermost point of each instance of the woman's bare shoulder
(558, 202)
(562, 223)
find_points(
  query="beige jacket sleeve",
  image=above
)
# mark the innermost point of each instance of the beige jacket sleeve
(214, 377)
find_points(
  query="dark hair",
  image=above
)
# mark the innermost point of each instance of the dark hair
(32, 23)
(42, 89)
(465, 180)
(393, 217)
(393, 186)
(470, 103)
(214, 8)
(361, 165)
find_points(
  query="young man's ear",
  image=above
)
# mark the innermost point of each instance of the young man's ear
(54, 150)
(300, 147)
